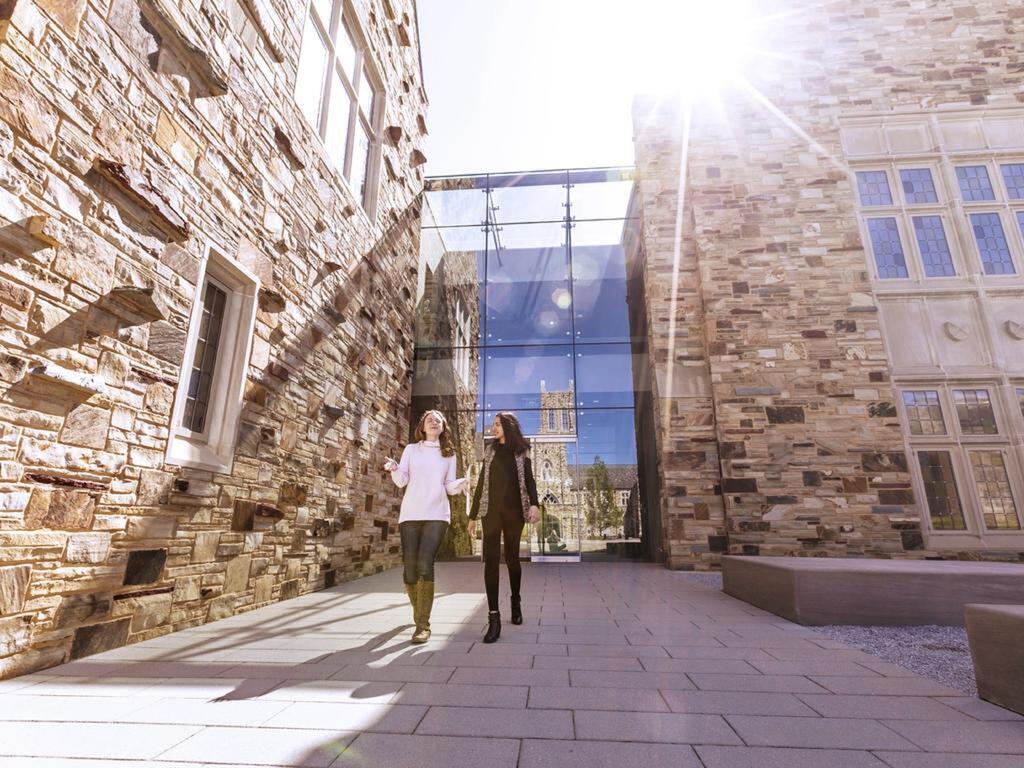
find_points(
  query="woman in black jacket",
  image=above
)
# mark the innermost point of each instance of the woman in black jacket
(509, 502)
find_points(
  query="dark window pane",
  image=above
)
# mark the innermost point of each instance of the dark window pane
(528, 298)
(1013, 176)
(941, 491)
(992, 245)
(974, 183)
(873, 187)
(997, 505)
(918, 186)
(888, 250)
(446, 379)
(204, 359)
(931, 239)
(974, 410)
(924, 413)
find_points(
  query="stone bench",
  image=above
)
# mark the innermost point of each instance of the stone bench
(996, 636)
(820, 591)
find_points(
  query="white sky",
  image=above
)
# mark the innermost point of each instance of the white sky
(518, 85)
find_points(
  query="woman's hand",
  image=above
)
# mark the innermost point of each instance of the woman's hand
(533, 515)
(390, 465)
(459, 485)
(471, 528)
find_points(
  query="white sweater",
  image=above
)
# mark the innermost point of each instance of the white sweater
(430, 478)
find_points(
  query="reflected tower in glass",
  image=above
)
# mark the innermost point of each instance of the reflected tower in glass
(527, 302)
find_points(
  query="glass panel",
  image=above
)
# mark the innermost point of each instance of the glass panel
(345, 50)
(204, 360)
(1020, 400)
(528, 197)
(1013, 176)
(309, 84)
(924, 413)
(517, 377)
(1020, 223)
(974, 410)
(873, 187)
(557, 533)
(604, 374)
(445, 379)
(337, 122)
(367, 97)
(595, 196)
(918, 186)
(466, 204)
(941, 491)
(360, 162)
(974, 183)
(608, 477)
(888, 250)
(527, 297)
(997, 506)
(992, 245)
(599, 284)
(931, 239)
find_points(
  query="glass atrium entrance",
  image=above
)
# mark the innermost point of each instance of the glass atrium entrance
(529, 300)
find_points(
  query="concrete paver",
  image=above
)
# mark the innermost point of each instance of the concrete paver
(615, 664)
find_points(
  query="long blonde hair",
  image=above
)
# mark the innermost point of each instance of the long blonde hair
(445, 438)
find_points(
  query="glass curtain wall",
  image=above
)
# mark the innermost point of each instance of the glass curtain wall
(522, 306)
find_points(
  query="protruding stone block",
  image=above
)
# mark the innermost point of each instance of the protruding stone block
(100, 637)
(141, 190)
(136, 306)
(13, 585)
(144, 566)
(74, 381)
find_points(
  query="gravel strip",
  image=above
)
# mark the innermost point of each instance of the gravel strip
(938, 653)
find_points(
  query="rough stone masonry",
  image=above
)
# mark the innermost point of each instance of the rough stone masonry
(135, 137)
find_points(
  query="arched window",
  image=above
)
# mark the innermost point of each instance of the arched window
(549, 498)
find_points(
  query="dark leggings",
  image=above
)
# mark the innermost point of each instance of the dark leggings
(496, 522)
(420, 541)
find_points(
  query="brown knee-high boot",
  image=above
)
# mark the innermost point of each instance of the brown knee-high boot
(412, 592)
(425, 603)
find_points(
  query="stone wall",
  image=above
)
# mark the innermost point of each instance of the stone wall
(135, 135)
(778, 431)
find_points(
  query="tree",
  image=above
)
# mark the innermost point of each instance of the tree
(600, 498)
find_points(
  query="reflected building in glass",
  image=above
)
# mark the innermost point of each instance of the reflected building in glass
(529, 301)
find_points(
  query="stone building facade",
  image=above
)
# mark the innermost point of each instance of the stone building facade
(203, 308)
(834, 290)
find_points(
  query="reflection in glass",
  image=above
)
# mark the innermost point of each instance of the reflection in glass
(309, 84)
(601, 200)
(599, 285)
(527, 296)
(446, 379)
(448, 293)
(604, 374)
(452, 207)
(516, 377)
(609, 488)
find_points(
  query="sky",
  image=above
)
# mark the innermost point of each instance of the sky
(518, 85)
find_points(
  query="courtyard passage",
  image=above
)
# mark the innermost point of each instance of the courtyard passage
(616, 665)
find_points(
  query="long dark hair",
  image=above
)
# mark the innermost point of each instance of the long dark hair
(445, 438)
(513, 433)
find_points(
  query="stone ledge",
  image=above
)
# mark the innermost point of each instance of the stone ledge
(822, 591)
(994, 634)
(171, 25)
(141, 190)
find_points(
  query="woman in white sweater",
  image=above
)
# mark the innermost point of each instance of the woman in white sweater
(427, 472)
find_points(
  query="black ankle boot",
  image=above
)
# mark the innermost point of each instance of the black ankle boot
(517, 610)
(493, 627)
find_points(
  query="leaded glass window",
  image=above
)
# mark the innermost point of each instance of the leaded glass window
(918, 186)
(204, 361)
(974, 183)
(974, 411)
(1013, 177)
(873, 187)
(888, 250)
(941, 491)
(992, 245)
(931, 239)
(924, 412)
(998, 509)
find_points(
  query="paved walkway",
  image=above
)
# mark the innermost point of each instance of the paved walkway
(617, 665)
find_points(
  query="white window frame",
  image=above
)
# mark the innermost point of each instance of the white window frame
(343, 17)
(213, 449)
(959, 446)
